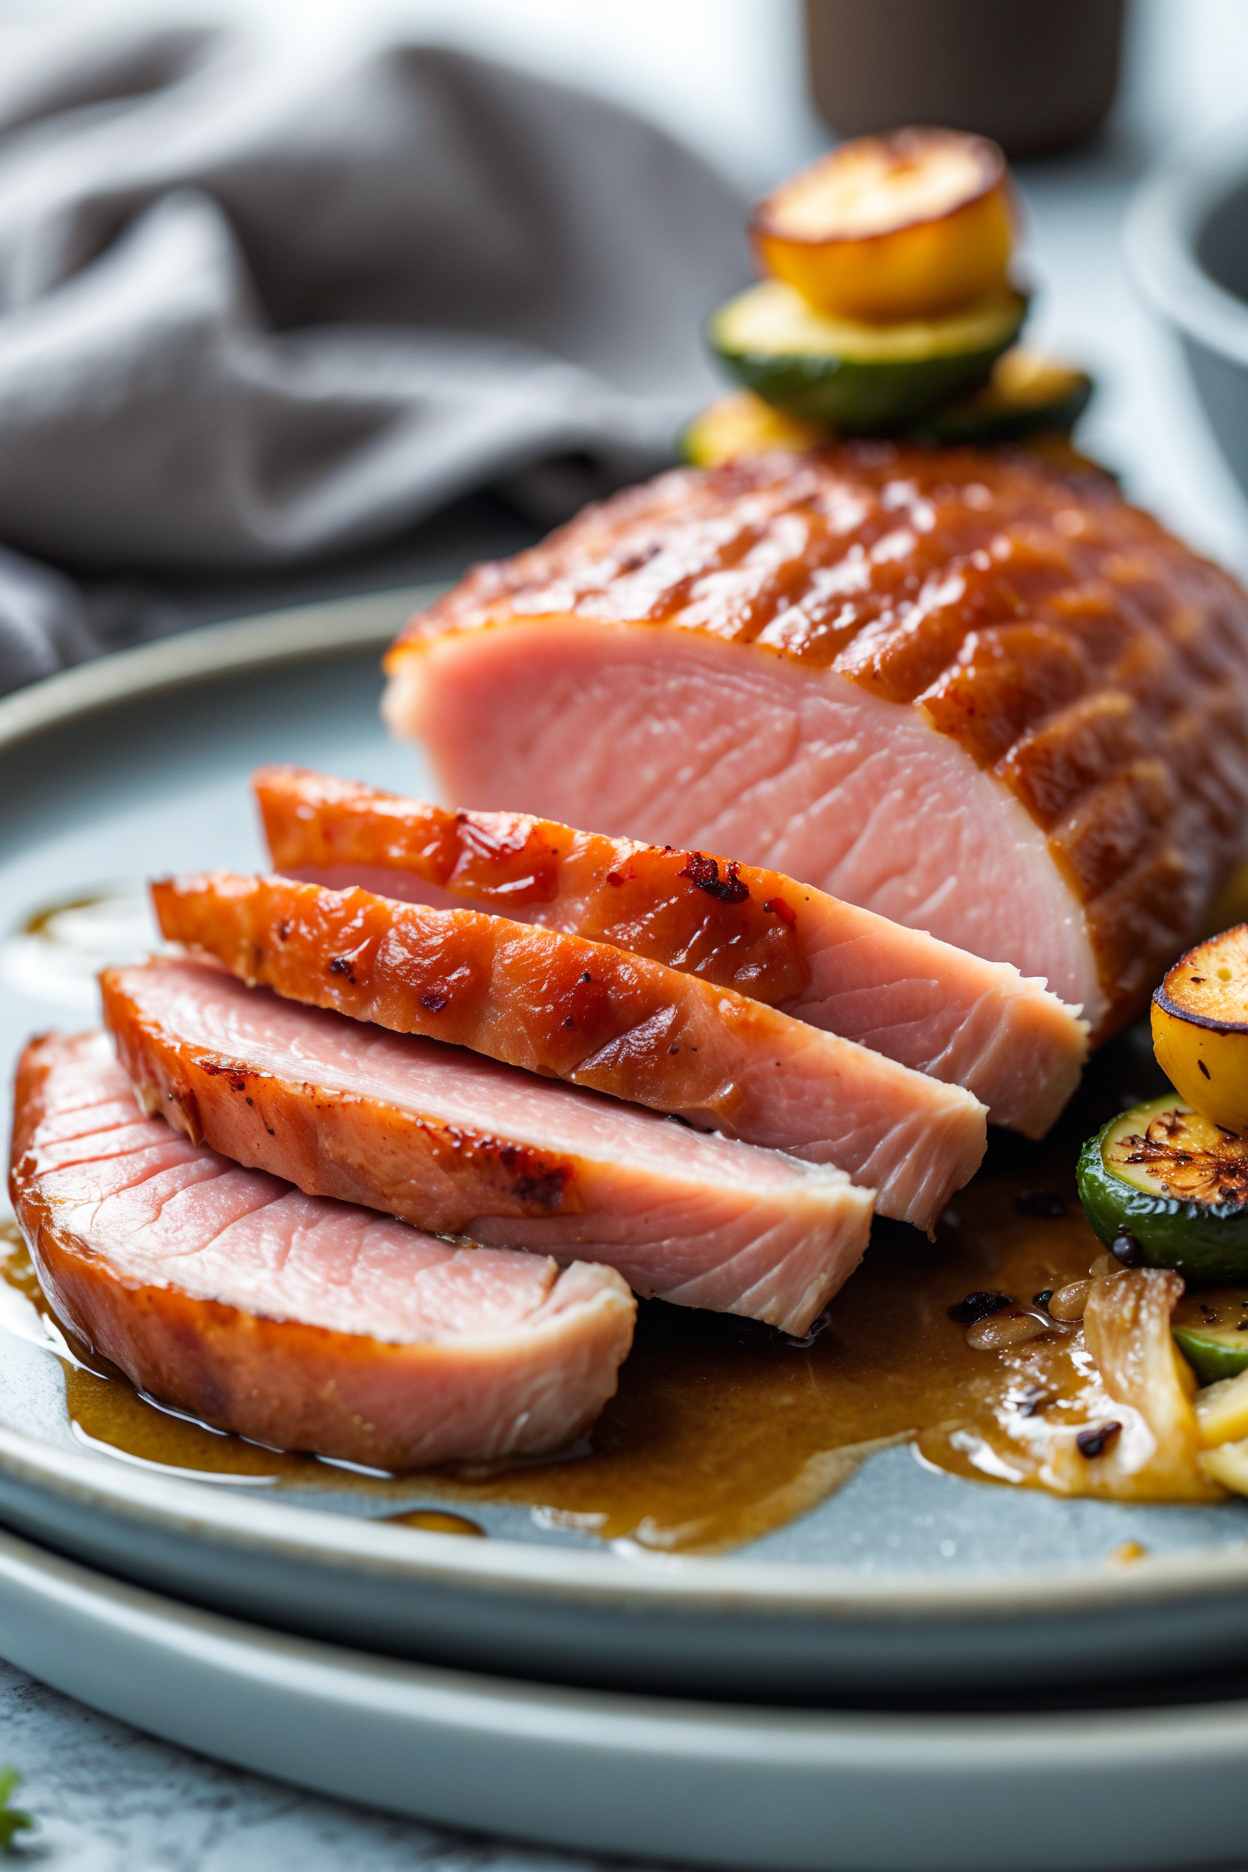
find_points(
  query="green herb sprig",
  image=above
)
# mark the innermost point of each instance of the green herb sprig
(12, 1819)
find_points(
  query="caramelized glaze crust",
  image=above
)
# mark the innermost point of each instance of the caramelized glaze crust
(588, 1013)
(300, 1323)
(939, 1009)
(1062, 637)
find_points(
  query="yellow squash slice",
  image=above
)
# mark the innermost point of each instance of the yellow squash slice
(1222, 1410)
(1200, 1028)
(741, 425)
(906, 226)
(1027, 394)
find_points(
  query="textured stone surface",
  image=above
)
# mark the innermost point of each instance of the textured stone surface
(110, 1799)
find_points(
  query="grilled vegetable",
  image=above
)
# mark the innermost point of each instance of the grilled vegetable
(1222, 1411)
(856, 377)
(906, 226)
(1127, 1330)
(1200, 1027)
(1213, 1352)
(1027, 394)
(1228, 1464)
(1170, 1180)
(742, 424)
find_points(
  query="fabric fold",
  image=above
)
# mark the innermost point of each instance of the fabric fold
(258, 307)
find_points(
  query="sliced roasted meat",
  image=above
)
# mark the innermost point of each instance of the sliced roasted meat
(303, 1323)
(899, 991)
(454, 1142)
(597, 1016)
(970, 690)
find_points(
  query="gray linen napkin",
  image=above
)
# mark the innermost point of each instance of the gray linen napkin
(256, 309)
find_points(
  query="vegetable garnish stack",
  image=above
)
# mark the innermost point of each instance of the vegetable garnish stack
(1166, 1183)
(889, 309)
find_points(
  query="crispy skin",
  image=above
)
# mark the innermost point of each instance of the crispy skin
(738, 928)
(1092, 664)
(450, 1141)
(969, 1022)
(301, 1323)
(576, 1010)
(408, 1161)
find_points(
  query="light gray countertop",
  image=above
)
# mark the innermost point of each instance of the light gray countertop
(111, 1800)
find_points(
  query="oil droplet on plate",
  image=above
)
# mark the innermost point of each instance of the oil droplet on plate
(437, 1521)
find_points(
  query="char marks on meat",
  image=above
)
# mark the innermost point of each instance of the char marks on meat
(974, 691)
(597, 1016)
(457, 1143)
(941, 1010)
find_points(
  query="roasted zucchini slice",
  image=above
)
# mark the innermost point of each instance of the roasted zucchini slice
(1200, 1027)
(1213, 1352)
(906, 226)
(1027, 394)
(859, 378)
(742, 424)
(1174, 1183)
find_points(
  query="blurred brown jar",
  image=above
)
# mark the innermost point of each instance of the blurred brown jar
(1037, 76)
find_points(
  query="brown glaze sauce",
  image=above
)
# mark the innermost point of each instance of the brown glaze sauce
(723, 1430)
(437, 1521)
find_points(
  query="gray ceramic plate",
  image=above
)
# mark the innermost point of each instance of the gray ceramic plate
(681, 1780)
(907, 1581)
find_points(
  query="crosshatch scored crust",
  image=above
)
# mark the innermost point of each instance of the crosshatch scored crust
(1059, 635)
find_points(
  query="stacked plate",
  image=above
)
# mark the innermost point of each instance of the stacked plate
(921, 1671)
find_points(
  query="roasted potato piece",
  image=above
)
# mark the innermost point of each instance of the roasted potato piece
(911, 225)
(1200, 1027)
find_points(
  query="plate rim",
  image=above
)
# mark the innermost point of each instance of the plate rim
(714, 1583)
(328, 627)
(773, 1727)
(612, 1771)
(707, 1584)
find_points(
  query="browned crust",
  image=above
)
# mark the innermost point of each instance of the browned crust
(423, 1169)
(1181, 1010)
(300, 1387)
(535, 998)
(736, 925)
(907, 143)
(1075, 649)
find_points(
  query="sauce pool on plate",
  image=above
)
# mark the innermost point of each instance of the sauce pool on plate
(723, 1429)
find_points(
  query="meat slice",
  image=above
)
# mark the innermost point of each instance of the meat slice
(454, 1142)
(969, 690)
(303, 1323)
(899, 991)
(571, 1009)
